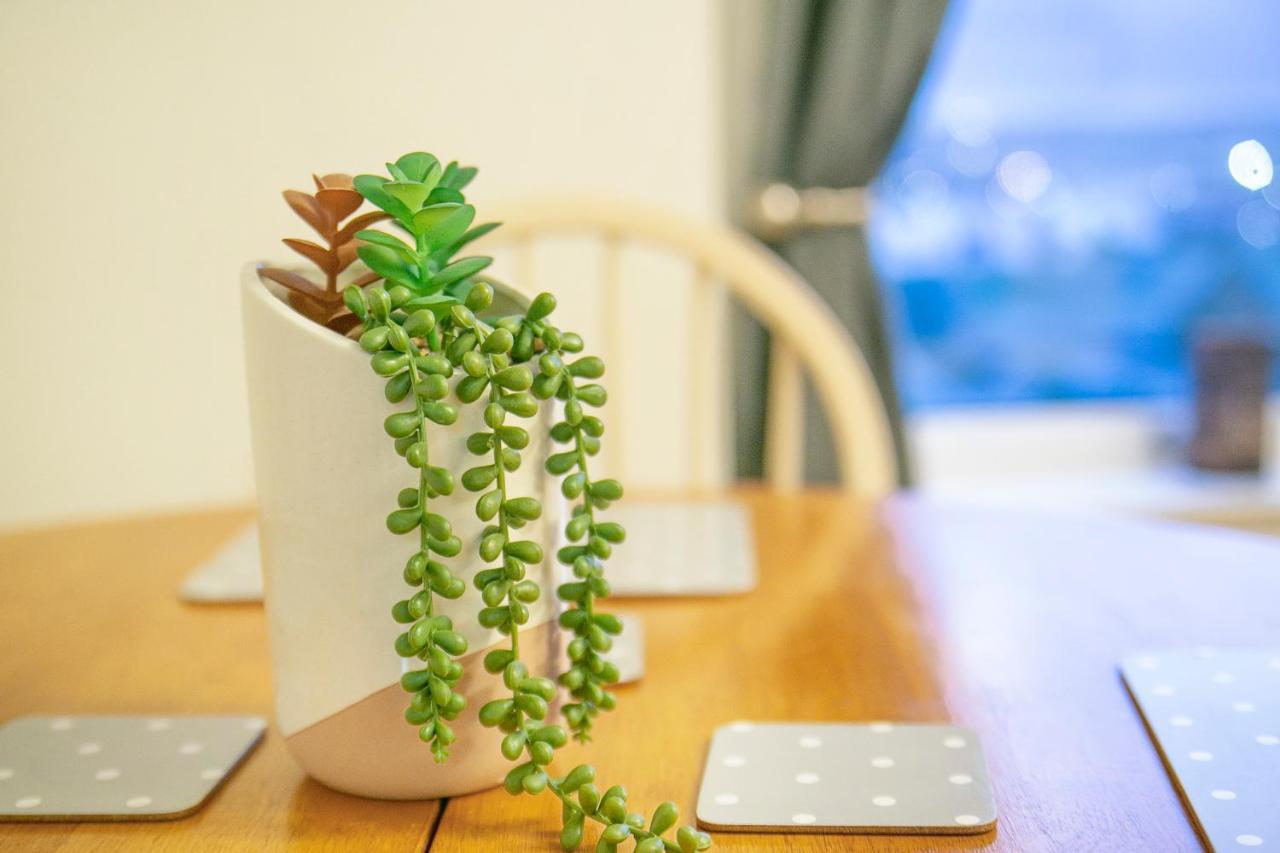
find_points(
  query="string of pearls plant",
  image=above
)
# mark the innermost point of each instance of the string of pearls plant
(430, 334)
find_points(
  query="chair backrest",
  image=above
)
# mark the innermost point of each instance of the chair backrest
(805, 335)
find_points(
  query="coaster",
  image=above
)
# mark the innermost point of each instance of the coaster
(232, 574)
(846, 777)
(117, 768)
(627, 653)
(1214, 715)
(682, 549)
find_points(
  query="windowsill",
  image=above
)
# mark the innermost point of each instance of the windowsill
(1121, 456)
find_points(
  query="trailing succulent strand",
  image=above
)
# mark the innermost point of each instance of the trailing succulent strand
(593, 540)
(431, 321)
(430, 636)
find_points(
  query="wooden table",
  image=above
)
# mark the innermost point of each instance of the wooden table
(1011, 623)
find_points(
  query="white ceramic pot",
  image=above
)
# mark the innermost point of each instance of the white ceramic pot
(327, 475)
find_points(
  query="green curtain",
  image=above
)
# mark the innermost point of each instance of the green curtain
(835, 81)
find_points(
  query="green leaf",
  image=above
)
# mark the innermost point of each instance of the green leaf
(403, 520)
(431, 179)
(445, 195)
(439, 304)
(388, 264)
(416, 165)
(664, 817)
(457, 271)
(382, 238)
(443, 224)
(371, 187)
(439, 479)
(410, 193)
(353, 298)
(431, 216)
(474, 234)
(457, 177)
(450, 174)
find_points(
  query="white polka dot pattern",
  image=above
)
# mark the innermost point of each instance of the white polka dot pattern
(1215, 716)
(823, 776)
(106, 767)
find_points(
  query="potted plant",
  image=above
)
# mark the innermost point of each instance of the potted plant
(489, 409)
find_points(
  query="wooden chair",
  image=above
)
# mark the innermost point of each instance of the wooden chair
(805, 335)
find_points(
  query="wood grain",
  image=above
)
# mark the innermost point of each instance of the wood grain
(1008, 622)
(92, 624)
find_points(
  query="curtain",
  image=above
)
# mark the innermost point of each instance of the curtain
(833, 82)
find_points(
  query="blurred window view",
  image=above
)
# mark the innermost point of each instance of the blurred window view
(1081, 187)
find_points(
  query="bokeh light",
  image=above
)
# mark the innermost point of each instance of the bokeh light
(1024, 175)
(1258, 223)
(1250, 164)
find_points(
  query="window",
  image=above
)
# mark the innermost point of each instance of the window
(1082, 186)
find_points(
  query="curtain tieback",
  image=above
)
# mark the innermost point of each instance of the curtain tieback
(780, 210)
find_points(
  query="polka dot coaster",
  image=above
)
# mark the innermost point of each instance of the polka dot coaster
(682, 549)
(117, 768)
(843, 777)
(232, 574)
(1214, 715)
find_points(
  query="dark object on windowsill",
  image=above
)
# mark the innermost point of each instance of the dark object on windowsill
(1231, 373)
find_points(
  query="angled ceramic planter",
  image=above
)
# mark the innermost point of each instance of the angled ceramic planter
(327, 476)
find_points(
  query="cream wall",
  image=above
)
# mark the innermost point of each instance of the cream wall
(144, 147)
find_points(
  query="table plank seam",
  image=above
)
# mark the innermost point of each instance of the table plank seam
(435, 825)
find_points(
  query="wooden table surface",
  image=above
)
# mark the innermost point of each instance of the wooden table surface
(1008, 622)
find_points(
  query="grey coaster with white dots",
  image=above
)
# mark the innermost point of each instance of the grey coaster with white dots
(233, 574)
(1214, 715)
(846, 777)
(678, 549)
(117, 768)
